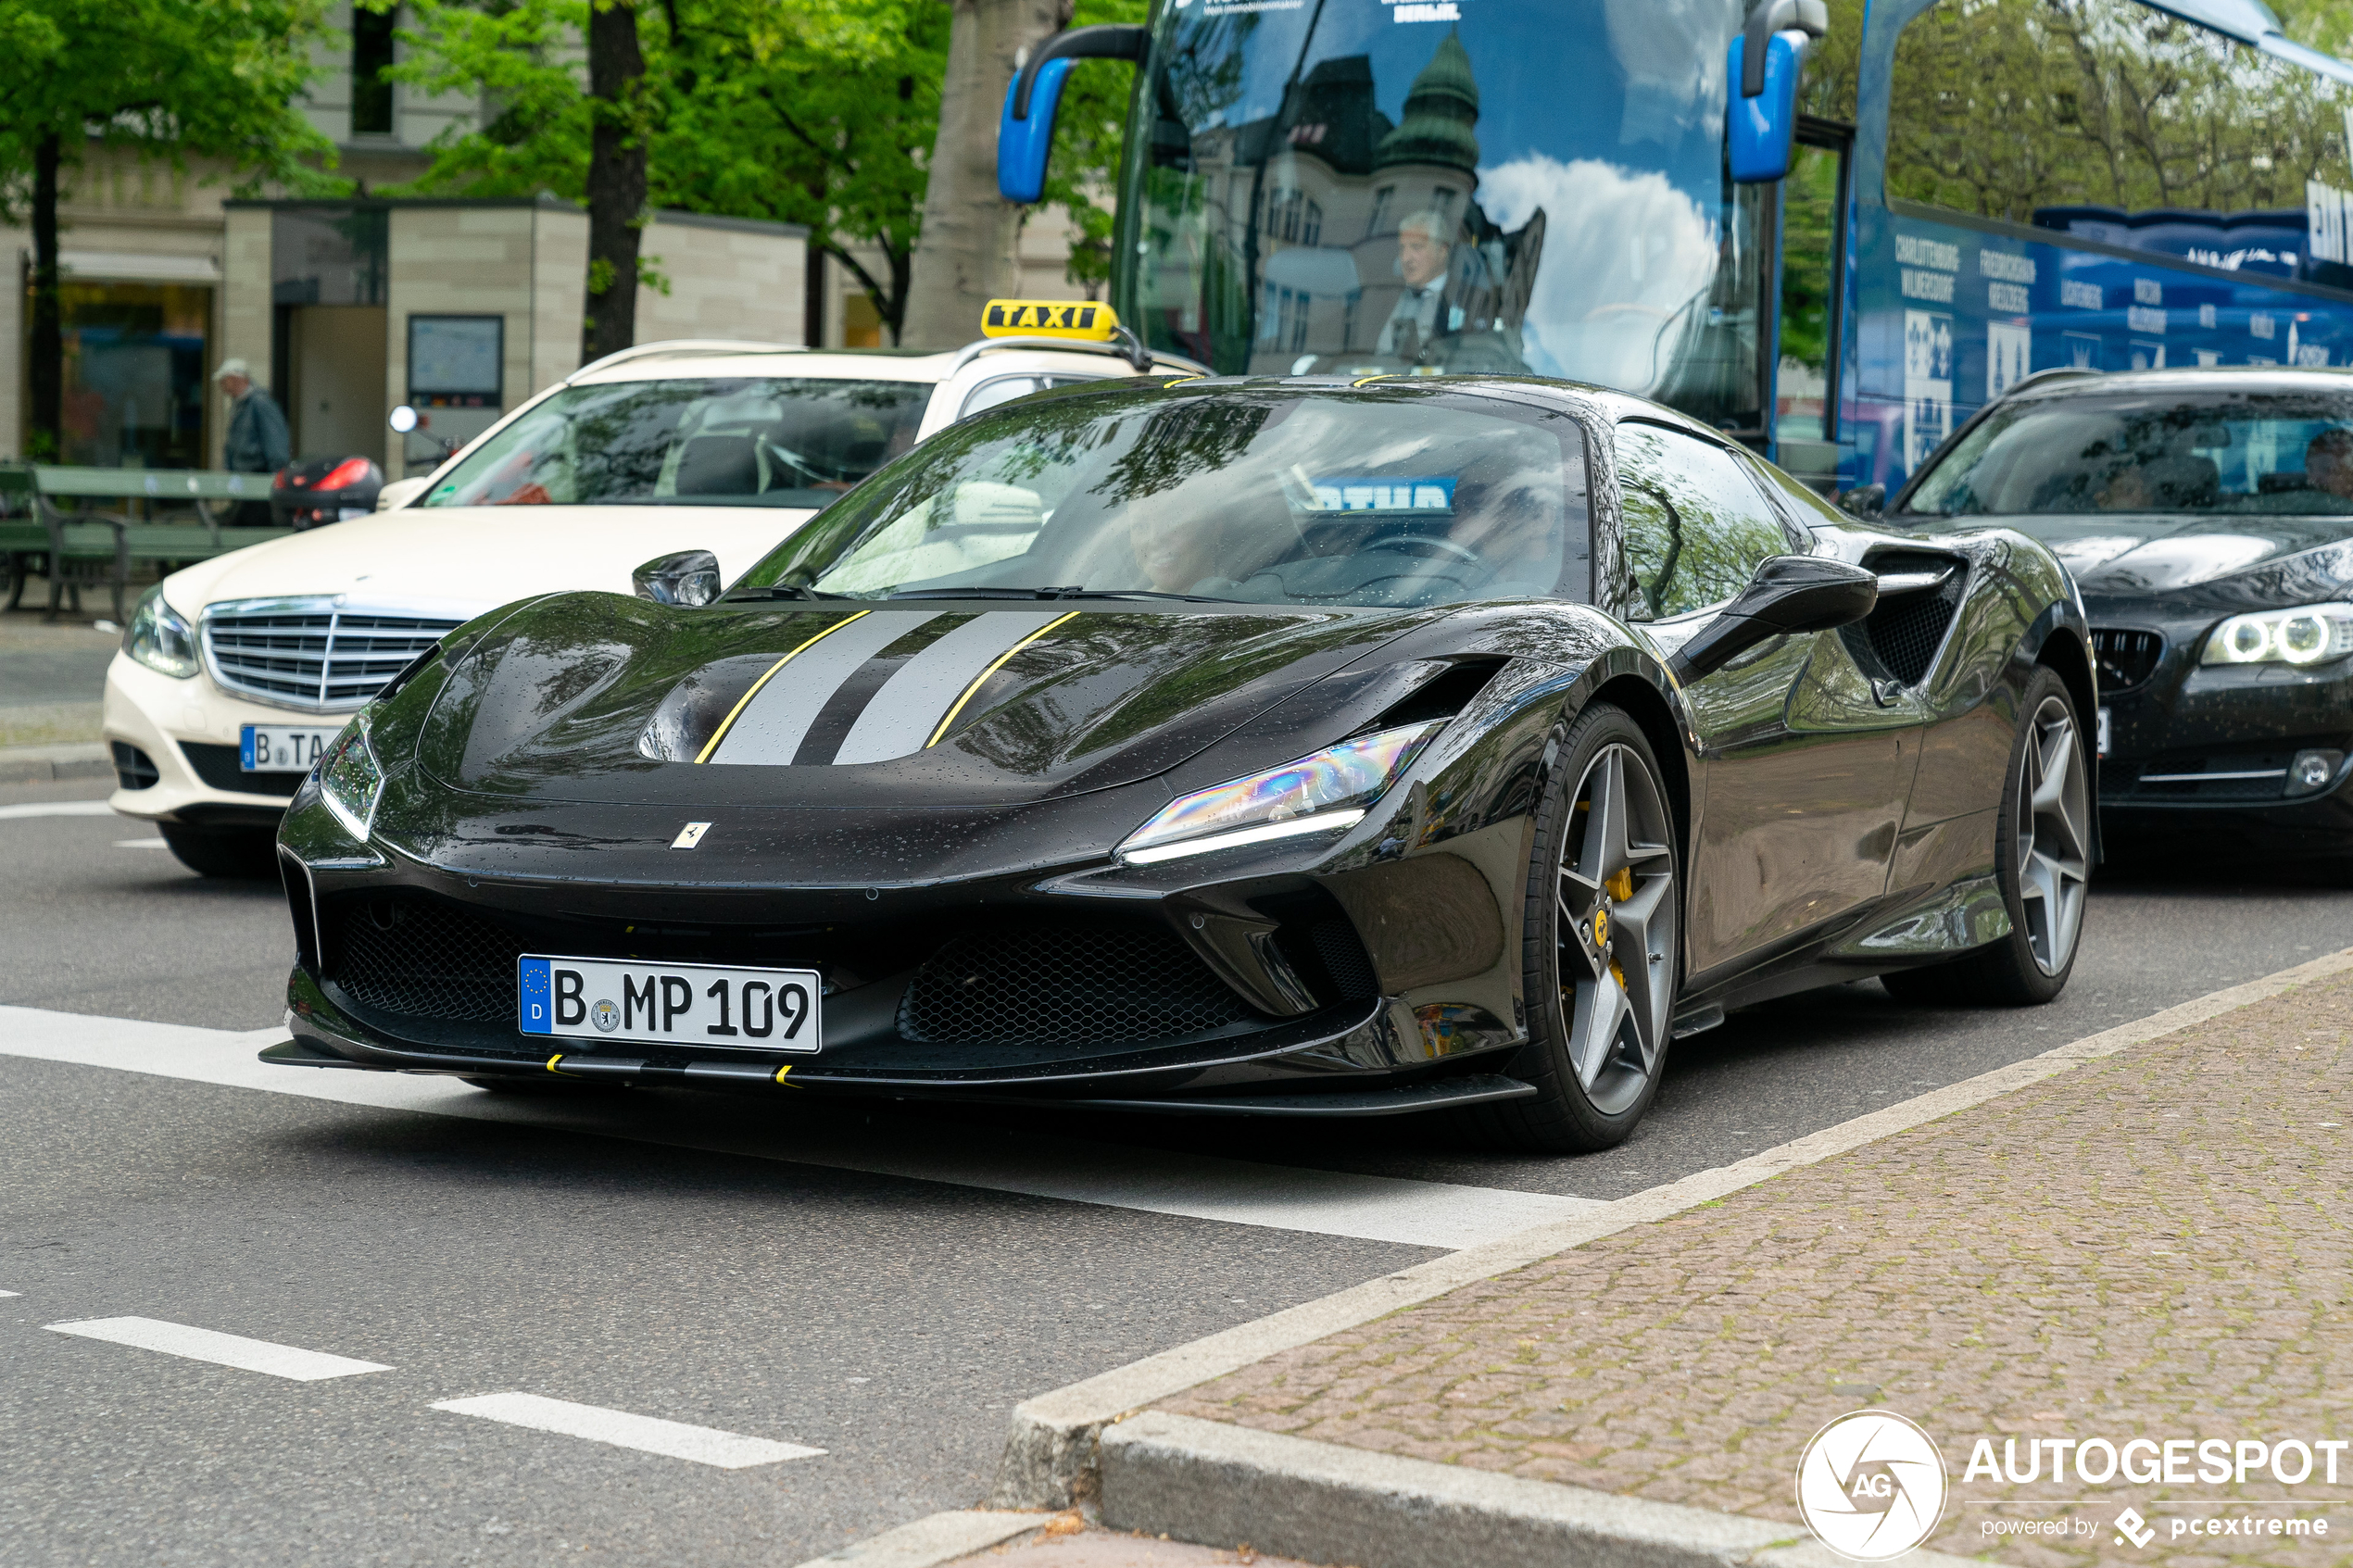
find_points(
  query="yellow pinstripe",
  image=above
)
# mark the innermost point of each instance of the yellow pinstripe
(734, 713)
(982, 678)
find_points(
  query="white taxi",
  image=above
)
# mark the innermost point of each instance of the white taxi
(235, 673)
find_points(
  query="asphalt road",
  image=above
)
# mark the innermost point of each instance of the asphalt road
(881, 1287)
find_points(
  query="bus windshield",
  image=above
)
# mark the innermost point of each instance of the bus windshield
(1530, 186)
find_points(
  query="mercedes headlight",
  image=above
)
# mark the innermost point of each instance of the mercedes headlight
(350, 782)
(2307, 634)
(161, 637)
(1329, 790)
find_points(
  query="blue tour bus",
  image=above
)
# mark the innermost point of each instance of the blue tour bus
(1901, 209)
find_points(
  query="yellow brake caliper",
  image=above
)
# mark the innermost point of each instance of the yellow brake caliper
(1619, 888)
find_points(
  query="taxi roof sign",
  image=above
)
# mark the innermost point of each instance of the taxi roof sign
(1082, 320)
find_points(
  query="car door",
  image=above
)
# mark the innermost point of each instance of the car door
(1803, 782)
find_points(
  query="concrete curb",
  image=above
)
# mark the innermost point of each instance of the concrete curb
(1050, 1461)
(40, 764)
(1207, 1482)
(940, 1537)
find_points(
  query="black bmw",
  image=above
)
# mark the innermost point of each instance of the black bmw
(2207, 515)
(1292, 747)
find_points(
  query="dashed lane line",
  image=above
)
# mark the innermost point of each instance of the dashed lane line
(56, 808)
(1442, 1215)
(672, 1439)
(221, 1349)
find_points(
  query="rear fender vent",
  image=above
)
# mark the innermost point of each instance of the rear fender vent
(1442, 697)
(1907, 630)
(2126, 657)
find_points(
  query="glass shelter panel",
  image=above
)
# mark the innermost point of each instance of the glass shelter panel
(1357, 186)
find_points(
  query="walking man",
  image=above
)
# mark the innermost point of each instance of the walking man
(258, 441)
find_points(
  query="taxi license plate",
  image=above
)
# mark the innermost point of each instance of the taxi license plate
(699, 1004)
(283, 749)
(2103, 735)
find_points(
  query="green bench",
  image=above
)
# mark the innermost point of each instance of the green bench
(45, 516)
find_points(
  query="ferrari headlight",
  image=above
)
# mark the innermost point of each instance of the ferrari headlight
(2307, 634)
(161, 638)
(349, 779)
(1318, 794)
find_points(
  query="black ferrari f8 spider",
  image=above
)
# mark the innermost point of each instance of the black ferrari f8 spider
(1217, 745)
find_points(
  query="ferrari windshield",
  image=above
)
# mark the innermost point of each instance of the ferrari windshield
(1386, 497)
(749, 441)
(2250, 454)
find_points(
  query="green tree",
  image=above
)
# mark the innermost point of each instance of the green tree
(162, 79)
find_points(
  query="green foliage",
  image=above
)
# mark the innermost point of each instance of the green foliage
(2002, 106)
(821, 113)
(165, 79)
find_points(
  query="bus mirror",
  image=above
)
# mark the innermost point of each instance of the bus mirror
(1025, 133)
(1764, 125)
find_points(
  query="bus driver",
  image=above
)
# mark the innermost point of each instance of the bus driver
(1422, 312)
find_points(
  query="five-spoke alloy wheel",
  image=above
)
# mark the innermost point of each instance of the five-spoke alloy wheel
(1603, 943)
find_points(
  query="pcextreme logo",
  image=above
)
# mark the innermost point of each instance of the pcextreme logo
(1871, 1486)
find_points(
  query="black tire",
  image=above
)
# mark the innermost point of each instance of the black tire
(244, 854)
(1574, 1111)
(2030, 965)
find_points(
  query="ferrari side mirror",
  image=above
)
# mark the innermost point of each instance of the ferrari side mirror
(1787, 594)
(690, 577)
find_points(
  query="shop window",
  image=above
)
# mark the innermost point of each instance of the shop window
(2117, 121)
(861, 324)
(134, 373)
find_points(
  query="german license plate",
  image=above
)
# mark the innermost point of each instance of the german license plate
(2103, 740)
(694, 1004)
(283, 749)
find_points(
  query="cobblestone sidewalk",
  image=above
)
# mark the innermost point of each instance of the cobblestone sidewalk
(2156, 1245)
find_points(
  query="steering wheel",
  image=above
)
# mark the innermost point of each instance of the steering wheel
(1427, 545)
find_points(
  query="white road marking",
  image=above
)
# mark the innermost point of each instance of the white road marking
(8, 1293)
(1437, 1214)
(222, 1349)
(139, 844)
(57, 809)
(672, 1439)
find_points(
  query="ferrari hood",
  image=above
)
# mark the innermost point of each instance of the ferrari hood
(2137, 556)
(598, 697)
(481, 557)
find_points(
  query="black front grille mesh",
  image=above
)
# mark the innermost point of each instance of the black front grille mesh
(1906, 633)
(1051, 985)
(2126, 658)
(418, 959)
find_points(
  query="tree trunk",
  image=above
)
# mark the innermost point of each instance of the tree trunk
(966, 254)
(616, 178)
(48, 367)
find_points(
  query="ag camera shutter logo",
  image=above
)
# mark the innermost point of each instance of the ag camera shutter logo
(1871, 1486)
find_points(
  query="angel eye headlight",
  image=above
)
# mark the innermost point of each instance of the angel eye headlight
(349, 779)
(1318, 794)
(2307, 634)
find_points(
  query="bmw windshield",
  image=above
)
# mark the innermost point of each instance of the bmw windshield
(1474, 185)
(1389, 496)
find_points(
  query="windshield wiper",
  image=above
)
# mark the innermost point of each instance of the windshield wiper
(1137, 594)
(1055, 594)
(786, 590)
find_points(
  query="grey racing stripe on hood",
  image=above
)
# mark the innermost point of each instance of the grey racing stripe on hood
(771, 730)
(903, 714)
